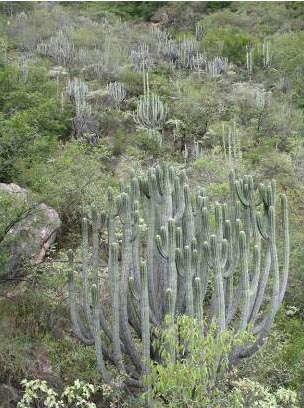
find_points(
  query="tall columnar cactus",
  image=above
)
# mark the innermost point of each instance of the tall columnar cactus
(249, 59)
(77, 91)
(141, 58)
(117, 92)
(59, 47)
(267, 54)
(217, 262)
(199, 31)
(217, 66)
(151, 112)
(231, 142)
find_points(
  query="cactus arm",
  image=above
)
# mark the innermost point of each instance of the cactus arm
(161, 246)
(133, 290)
(95, 239)
(260, 226)
(126, 265)
(229, 296)
(188, 281)
(240, 194)
(180, 200)
(232, 308)
(160, 180)
(224, 253)
(180, 262)
(261, 286)
(145, 326)
(97, 339)
(263, 328)
(245, 282)
(256, 272)
(205, 223)
(197, 297)
(78, 328)
(170, 323)
(115, 307)
(145, 315)
(219, 285)
(85, 279)
(179, 237)
(95, 267)
(218, 220)
(286, 244)
(188, 222)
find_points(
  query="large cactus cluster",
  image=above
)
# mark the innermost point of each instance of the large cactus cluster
(214, 262)
(59, 47)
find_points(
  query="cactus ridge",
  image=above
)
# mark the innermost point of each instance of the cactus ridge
(209, 261)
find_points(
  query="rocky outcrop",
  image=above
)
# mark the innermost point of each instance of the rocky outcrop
(30, 235)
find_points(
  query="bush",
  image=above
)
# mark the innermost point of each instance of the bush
(232, 40)
(75, 177)
(36, 391)
(31, 123)
(192, 381)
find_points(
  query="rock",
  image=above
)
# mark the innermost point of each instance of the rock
(14, 189)
(31, 235)
(9, 396)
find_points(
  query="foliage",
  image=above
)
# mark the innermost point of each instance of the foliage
(31, 123)
(231, 40)
(36, 151)
(72, 179)
(248, 393)
(202, 359)
(280, 362)
(36, 391)
(129, 10)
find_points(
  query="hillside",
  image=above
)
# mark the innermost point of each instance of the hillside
(89, 93)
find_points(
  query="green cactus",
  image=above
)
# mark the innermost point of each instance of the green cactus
(209, 261)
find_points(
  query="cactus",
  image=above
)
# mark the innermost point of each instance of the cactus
(141, 58)
(117, 92)
(151, 112)
(186, 51)
(208, 261)
(267, 54)
(249, 60)
(199, 31)
(77, 91)
(198, 63)
(217, 66)
(231, 144)
(60, 48)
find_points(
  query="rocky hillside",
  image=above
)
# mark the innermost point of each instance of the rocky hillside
(90, 91)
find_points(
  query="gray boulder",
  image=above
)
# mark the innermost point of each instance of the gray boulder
(31, 234)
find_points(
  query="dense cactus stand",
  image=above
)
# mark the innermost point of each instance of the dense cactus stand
(214, 262)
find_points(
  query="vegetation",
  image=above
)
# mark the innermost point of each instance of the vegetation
(131, 119)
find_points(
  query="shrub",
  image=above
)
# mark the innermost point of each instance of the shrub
(232, 40)
(36, 391)
(192, 380)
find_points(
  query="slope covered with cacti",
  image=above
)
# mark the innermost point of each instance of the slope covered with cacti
(139, 122)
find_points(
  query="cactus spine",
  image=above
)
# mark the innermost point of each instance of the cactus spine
(192, 248)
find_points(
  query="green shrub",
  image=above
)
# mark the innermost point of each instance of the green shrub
(31, 123)
(192, 380)
(75, 177)
(230, 40)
